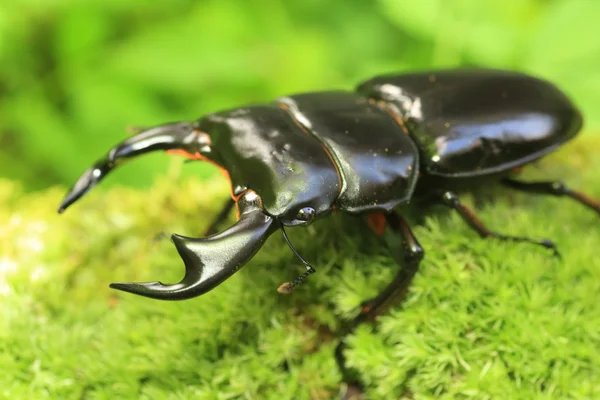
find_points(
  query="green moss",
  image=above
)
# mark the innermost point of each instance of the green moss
(484, 319)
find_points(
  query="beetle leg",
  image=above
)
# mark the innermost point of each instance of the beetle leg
(555, 189)
(407, 251)
(452, 201)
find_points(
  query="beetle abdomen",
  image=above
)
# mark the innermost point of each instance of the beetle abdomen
(477, 122)
(377, 161)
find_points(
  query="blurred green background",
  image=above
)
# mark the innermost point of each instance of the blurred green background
(74, 74)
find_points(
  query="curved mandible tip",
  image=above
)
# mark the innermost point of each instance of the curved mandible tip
(210, 261)
(86, 181)
(177, 135)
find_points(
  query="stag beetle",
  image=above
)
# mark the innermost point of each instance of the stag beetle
(396, 139)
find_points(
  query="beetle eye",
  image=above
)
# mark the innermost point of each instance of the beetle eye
(306, 214)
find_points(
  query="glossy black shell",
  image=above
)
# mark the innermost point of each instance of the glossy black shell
(263, 149)
(376, 161)
(324, 150)
(477, 122)
(364, 151)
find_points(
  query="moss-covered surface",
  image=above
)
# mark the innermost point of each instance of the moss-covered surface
(484, 319)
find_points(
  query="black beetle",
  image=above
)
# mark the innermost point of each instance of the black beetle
(397, 138)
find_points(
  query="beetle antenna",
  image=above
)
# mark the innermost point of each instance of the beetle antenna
(288, 287)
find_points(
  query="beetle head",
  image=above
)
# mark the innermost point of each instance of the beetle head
(261, 149)
(208, 261)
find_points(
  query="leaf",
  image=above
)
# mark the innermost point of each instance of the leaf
(566, 50)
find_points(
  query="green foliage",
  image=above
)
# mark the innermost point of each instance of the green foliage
(484, 319)
(74, 74)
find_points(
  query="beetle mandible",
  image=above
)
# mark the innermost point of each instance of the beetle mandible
(395, 139)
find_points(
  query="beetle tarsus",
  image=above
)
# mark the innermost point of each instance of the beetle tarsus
(452, 201)
(555, 189)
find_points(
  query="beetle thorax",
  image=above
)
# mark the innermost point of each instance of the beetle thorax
(262, 149)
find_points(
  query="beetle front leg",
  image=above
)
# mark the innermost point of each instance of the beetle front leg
(407, 251)
(452, 201)
(555, 189)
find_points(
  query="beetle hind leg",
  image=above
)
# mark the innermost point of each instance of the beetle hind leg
(556, 189)
(452, 201)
